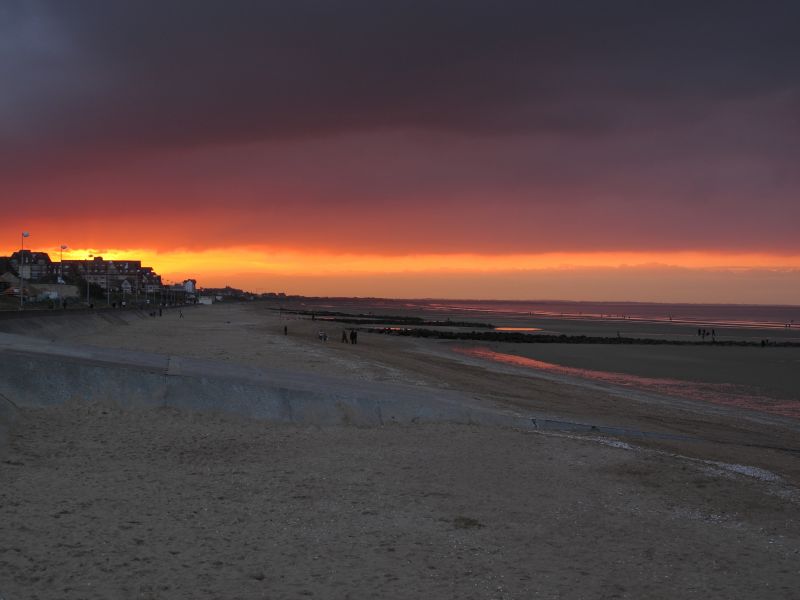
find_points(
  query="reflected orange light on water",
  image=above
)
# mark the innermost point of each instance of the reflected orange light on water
(725, 394)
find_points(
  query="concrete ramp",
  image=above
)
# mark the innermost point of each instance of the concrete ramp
(58, 323)
(35, 372)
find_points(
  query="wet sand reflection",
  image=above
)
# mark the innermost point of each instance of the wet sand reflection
(725, 394)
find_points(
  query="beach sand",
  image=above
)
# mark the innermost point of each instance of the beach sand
(97, 502)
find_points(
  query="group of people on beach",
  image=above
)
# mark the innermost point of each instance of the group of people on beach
(322, 335)
(352, 338)
(704, 333)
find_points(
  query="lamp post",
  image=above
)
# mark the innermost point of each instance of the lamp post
(22, 267)
(61, 261)
(108, 283)
(87, 278)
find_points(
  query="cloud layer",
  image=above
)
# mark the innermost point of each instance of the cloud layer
(404, 127)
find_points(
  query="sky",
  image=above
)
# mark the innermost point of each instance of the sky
(616, 150)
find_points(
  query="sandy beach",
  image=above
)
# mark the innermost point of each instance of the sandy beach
(101, 502)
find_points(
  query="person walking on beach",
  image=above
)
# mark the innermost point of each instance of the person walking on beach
(344, 336)
(180, 314)
(353, 336)
(285, 330)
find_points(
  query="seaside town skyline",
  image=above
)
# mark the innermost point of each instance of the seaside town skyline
(639, 152)
(42, 282)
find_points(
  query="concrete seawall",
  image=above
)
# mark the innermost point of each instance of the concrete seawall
(55, 323)
(34, 372)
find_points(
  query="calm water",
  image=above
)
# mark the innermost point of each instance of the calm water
(719, 314)
(732, 314)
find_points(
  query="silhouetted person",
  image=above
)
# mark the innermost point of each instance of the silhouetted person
(353, 336)
(344, 336)
(160, 312)
(285, 330)
(180, 314)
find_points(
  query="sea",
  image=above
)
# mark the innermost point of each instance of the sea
(742, 315)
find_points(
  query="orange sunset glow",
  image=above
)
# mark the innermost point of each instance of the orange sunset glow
(515, 276)
(216, 263)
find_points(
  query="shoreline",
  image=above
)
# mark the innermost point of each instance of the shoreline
(251, 335)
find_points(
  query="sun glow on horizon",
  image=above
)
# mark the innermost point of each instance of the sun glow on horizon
(683, 276)
(256, 259)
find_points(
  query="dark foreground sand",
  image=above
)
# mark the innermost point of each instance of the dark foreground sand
(99, 503)
(96, 502)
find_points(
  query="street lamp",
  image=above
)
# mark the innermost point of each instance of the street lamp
(108, 284)
(138, 280)
(22, 266)
(61, 261)
(87, 278)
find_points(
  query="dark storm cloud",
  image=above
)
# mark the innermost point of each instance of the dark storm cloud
(98, 76)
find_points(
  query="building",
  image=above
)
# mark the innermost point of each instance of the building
(9, 286)
(128, 276)
(35, 265)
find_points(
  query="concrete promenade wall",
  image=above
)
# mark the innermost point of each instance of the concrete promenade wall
(54, 323)
(34, 372)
